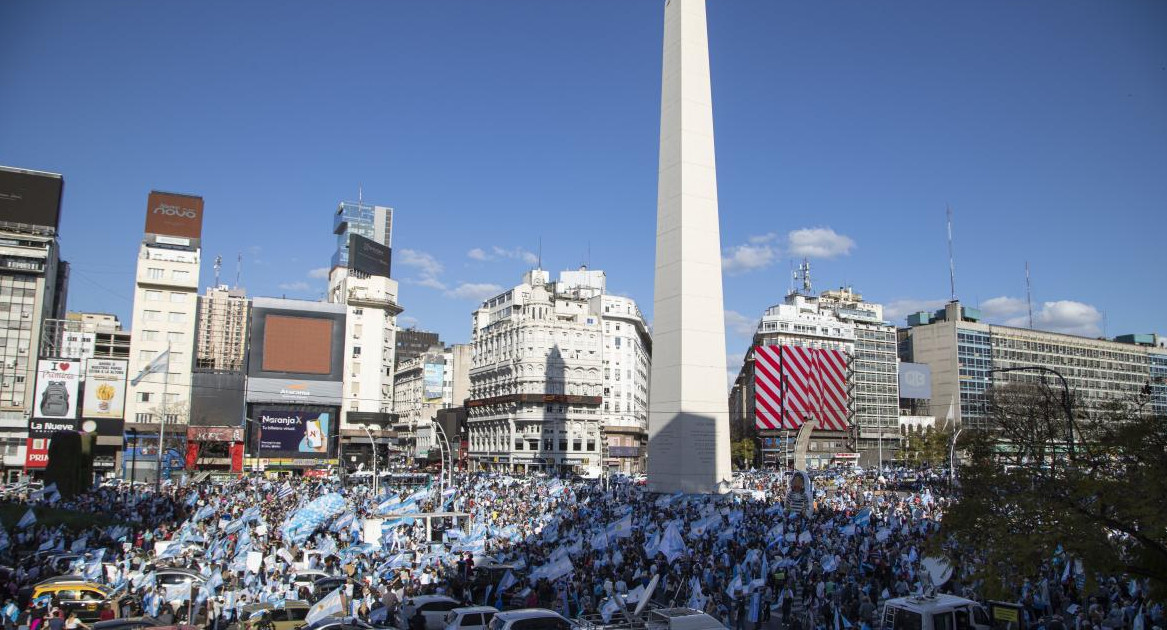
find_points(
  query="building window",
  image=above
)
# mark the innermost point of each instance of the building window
(591, 445)
(141, 417)
(180, 274)
(154, 273)
(176, 318)
(177, 298)
(174, 337)
(143, 396)
(152, 316)
(153, 296)
(356, 351)
(149, 335)
(146, 355)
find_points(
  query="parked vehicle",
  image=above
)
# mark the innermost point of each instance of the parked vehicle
(470, 618)
(86, 598)
(288, 617)
(934, 612)
(432, 607)
(530, 619)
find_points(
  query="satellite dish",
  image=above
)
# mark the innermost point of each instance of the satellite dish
(939, 570)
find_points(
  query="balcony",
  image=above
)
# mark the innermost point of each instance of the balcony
(362, 297)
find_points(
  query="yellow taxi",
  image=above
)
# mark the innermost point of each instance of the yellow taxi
(86, 598)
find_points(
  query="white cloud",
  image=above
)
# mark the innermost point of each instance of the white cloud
(474, 291)
(896, 310)
(763, 238)
(318, 273)
(407, 321)
(500, 253)
(819, 243)
(428, 268)
(298, 286)
(740, 325)
(1002, 307)
(1064, 316)
(733, 365)
(478, 254)
(745, 258)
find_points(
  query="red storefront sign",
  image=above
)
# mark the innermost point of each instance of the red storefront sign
(237, 457)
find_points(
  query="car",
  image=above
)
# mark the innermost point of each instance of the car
(128, 623)
(470, 618)
(86, 598)
(176, 576)
(339, 623)
(432, 607)
(530, 619)
(307, 578)
(287, 617)
(326, 585)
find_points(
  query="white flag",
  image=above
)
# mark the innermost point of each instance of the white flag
(330, 606)
(161, 363)
(28, 521)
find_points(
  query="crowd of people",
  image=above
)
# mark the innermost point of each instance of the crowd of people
(780, 550)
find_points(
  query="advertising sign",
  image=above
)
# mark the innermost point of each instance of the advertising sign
(30, 197)
(284, 390)
(56, 389)
(174, 215)
(299, 432)
(105, 388)
(434, 375)
(915, 380)
(368, 256)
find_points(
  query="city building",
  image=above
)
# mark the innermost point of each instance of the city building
(360, 280)
(537, 377)
(33, 286)
(412, 342)
(164, 311)
(965, 355)
(222, 330)
(836, 320)
(423, 385)
(110, 341)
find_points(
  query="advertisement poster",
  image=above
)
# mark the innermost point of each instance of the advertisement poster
(105, 388)
(300, 432)
(434, 375)
(56, 389)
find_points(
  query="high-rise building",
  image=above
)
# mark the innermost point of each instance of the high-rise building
(360, 279)
(559, 377)
(412, 342)
(164, 316)
(110, 341)
(222, 330)
(423, 385)
(836, 320)
(33, 283)
(965, 354)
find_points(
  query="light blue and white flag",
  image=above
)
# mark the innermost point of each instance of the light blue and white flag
(28, 520)
(332, 605)
(161, 363)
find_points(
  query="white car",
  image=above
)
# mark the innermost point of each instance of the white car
(530, 619)
(470, 618)
(432, 607)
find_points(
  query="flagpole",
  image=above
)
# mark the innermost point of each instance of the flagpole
(162, 422)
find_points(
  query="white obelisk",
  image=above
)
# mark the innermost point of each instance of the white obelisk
(688, 416)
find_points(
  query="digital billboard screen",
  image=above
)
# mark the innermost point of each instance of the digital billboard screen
(217, 399)
(303, 433)
(172, 214)
(368, 256)
(434, 376)
(30, 197)
(299, 345)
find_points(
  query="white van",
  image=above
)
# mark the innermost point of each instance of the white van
(934, 612)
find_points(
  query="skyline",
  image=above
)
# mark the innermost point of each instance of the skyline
(549, 140)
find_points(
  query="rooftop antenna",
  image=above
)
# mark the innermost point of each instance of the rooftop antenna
(951, 257)
(218, 267)
(360, 195)
(793, 277)
(540, 263)
(1029, 294)
(804, 270)
(238, 269)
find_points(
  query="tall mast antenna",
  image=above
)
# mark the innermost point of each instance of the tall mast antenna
(1028, 294)
(238, 269)
(218, 266)
(951, 257)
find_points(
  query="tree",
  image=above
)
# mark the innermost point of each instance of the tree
(742, 452)
(1022, 496)
(930, 446)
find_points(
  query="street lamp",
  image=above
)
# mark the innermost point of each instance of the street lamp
(373, 447)
(447, 456)
(952, 459)
(1066, 401)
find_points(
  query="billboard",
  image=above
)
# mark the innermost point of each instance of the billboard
(105, 388)
(368, 256)
(30, 197)
(216, 399)
(794, 385)
(434, 375)
(296, 339)
(298, 345)
(56, 389)
(286, 390)
(171, 214)
(915, 380)
(294, 432)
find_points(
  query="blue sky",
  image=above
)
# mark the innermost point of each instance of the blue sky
(843, 130)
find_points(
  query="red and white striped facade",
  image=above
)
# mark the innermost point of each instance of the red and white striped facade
(793, 385)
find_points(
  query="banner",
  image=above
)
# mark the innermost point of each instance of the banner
(105, 388)
(56, 389)
(434, 376)
(294, 431)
